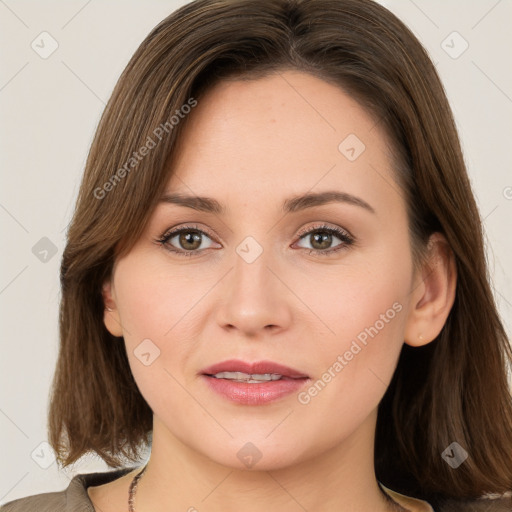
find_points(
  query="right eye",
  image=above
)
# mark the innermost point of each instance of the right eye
(184, 241)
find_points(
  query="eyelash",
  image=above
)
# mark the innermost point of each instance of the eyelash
(346, 239)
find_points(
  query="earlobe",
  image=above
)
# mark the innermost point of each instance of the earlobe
(433, 297)
(111, 317)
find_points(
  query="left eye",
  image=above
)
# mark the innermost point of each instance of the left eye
(323, 238)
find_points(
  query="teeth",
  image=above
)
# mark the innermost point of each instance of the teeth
(245, 377)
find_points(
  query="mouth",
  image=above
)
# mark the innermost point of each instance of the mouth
(261, 371)
(253, 383)
(255, 378)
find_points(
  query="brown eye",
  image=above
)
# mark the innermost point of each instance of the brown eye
(321, 240)
(185, 241)
(189, 240)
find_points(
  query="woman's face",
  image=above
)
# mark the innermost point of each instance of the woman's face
(266, 279)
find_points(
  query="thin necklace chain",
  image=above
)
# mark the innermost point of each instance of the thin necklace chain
(133, 489)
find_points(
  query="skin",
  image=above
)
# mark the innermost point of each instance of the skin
(251, 145)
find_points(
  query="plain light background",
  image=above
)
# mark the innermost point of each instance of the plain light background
(49, 110)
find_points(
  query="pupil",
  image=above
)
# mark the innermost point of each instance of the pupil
(189, 238)
(326, 238)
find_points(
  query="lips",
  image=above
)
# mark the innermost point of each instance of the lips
(256, 368)
(258, 383)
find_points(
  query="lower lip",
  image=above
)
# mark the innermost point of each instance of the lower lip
(254, 394)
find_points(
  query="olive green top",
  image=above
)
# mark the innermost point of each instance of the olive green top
(76, 499)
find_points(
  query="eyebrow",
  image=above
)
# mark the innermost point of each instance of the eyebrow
(291, 205)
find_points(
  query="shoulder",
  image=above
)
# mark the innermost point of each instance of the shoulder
(45, 502)
(503, 504)
(72, 499)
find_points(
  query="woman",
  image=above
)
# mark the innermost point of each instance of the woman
(275, 276)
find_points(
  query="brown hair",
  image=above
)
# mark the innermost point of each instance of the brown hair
(453, 389)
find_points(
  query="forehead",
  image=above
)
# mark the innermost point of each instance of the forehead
(284, 134)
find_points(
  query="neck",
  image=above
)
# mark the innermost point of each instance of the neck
(342, 478)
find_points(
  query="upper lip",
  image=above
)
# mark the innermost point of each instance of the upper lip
(258, 367)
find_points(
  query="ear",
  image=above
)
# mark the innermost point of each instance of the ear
(433, 293)
(111, 316)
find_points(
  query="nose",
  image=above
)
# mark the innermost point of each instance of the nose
(254, 300)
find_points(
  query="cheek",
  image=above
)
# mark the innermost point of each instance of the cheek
(363, 316)
(154, 299)
(159, 308)
(365, 299)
